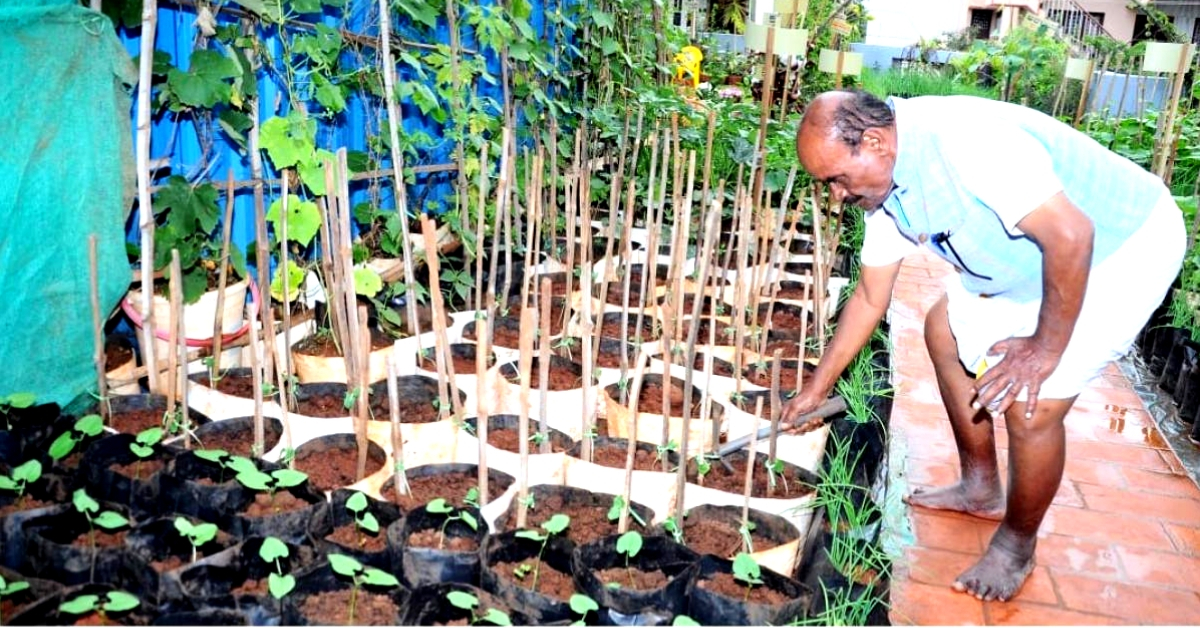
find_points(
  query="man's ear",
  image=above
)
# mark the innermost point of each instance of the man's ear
(874, 139)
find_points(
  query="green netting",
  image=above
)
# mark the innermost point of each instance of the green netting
(66, 172)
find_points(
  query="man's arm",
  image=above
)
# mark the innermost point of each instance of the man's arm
(1065, 235)
(861, 315)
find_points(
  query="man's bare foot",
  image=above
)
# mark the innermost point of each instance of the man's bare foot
(986, 504)
(999, 574)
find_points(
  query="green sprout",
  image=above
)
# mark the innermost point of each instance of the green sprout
(364, 521)
(10, 588)
(278, 583)
(472, 497)
(582, 605)
(22, 476)
(746, 569)
(554, 525)
(86, 427)
(106, 519)
(143, 447)
(15, 401)
(618, 504)
(684, 620)
(114, 602)
(470, 603)
(440, 507)
(255, 480)
(775, 470)
(672, 526)
(351, 568)
(703, 467)
(745, 529)
(629, 544)
(196, 534)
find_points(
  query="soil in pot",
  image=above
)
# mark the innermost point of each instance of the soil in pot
(323, 598)
(759, 373)
(238, 578)
(113, 472)
(611, 327)
(11, 504)
(588, 512)
(636, 272)
(417, 397)
(719, 599)
(791, 290)
(708, 305)
(511, 565)
(462, 355)
(558, 307)
(714, 530)
(286, 514)
(652, 584)
(506, 331)
(451, 481)
(631, 578)
(57, 547)
(325, 400)
(132, 414)
(792, 483)
(236, 436)
(332, 461)
(612, 452)
(237, 382)
(323, 344)
(787, 320)
(46, 611)
(719, 367)
(504, 432)
(609, 355)
(438, 546)
(429, 606)
(749, 398)
(650, 400)
(564, 374)
(15, 602)
(347, 535)
(724, 330)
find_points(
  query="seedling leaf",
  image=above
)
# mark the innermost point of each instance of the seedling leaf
(272, 549)
(582, 604)
(369, 523)
(630, 544)
(497, 617)
(80, 605)
(15, 587)
(90, 425)
(7, 483)
(344, 565)
(84, 502)
(62, 446)
(556, 523)
(150, 436)
(746, 569)
(203, 533)
(287, 478)
(21, 399)
(684, 620)
(462, 600)
(470, 520)
(532, 535)
(141, 451)
(280, 586)
(438, 506)
(110, 520)
(379, 578)
(212, 455)
(254, 480)
(30, 471)
(357, 502)
(240, 464)
(119, 601)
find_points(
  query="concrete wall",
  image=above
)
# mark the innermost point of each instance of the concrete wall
(1185, 18)
(1118, 20)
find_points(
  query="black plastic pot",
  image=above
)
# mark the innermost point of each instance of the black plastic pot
(559, 441)
(550, 499)
(428, 606)
(37, 590)
(766, 525)
(322, 579)
(313, 455)
(511, 371)
(290, 526)
(334, 514)
(619, 444)
(139, 492)
(1174, 364)
(45, 612)
(714, 609)
(203, 617)
(25, 432)
(12, 534)
(1195, 434)
(508, 548)
(182, 492)
(1166, 340)
(242, 429)
(209, 583)
(158, 540)
(50, 554)
(626, 606)
(461, 351)
(422, 566)
(498, 481)
(1184, 394)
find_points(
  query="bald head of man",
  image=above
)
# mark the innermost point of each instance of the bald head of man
(848, 140)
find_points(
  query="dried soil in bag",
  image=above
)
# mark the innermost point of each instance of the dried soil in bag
(322, 598)
(344, 536)
(717, 599)
(653, 606)
(430, 554)
(555, 584)
(588, 512)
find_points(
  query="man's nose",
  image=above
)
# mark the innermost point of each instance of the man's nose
(838, 192)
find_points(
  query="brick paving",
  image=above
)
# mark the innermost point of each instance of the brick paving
(1121, 542)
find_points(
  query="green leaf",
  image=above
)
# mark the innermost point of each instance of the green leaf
(211, 455)
(254, 480)
(119, 601)
(532, 535)
(150, 436)
(614, 511)
(242, 464)
(84, 502)
(369, 523)
(62, 446)
(266, 9)
(439, 506)
(189, 209)
(80, 605)
(295, 278)
(235, 124)
(345, 565)
(357, 502)
(183, 526)
(358, 161)
(312, 171)
(603, 20)
(684, 620)
(203, 533)
(367, 282)
(289, 141)
(29, 472)
(609, 46)
(305, 6)
(582, 604)
(746, 569)
(379, 578)
(90, 425)
(15, 587)
(557, 523)
(110, 520)
(8, 484)
(629, 544)
(329, 94)
(420, 11)
(206, 82)
(280, 585)
(141, 451)
(460, 599)
(273, 549)
(470, 520)
(304, 219)
(21, 400)
(497, 617)
(287, 478)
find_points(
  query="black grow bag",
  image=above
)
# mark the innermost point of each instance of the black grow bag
(627, 606)
(322, 579)
(428, 606)
(551, 498)
(422, 566)
(158, 540)
(45, 612)
(714, 609)
(241, 429)
(508, 548)
(210, 583)
(334, 514)
(50, 554)
(139, 491)
(218, 500)
(290, 525)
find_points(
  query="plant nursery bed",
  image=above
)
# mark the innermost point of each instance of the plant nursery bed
(722, 479)
(136, 421)
(350, 535)
(332, 608)
(613, 455)
(633, 578)
(140, 469)
(334, 467)
(510, 440)
(550, 581)
(650, 400)
(564, 374)
(588, 523)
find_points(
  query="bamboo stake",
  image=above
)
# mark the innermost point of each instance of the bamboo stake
(1083, 96)
(507, 218)
(627, 248)
(818, 274)
(285, 360)
(768, 98)
(401, 192)
(176, 298)
(501, 197)
(545, 351)
(718, 209)
(145, 205)
(776, 365)
(483, 351)
(257, 375)
(525, 363)
(803, 336)
(184, 419)
(362, 402)
(631, 442)
(481, 219)
(751, 461)
(222, 277)
(445, 365)
(586, 330)
(739, 303)
(1172, 107)
(98, 357)
(263, 264)
(399, 477)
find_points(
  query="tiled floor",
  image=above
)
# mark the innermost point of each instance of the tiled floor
(1121, 542)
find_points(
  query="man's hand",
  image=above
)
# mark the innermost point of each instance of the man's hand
(1026, 364)
(809, 399)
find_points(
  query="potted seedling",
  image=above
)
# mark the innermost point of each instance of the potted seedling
(196, 534)
(86, 427)
(618, 504)
(144, 446)
(470, 603)
(582, 605)
(438, 544)
(746, 571)
(8, 589)
(255, 480)
(14, 401)
(271, 552)
(629, 544)
(364, 520)
(21, 477)
(107, 519)
(440, 507)
(103, 605)
(360, 575)
(554, 525)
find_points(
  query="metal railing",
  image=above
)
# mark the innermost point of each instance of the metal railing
(1075, 23)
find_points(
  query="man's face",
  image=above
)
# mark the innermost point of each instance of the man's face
(863, 179)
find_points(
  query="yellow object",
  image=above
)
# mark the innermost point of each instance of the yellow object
(688, 60)
(982, 369)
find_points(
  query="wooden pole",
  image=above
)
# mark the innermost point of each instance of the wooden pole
(98, 357)
(480, 222)
(257, 376)
(545, 351)
(176, 300)
(222, 278)
(631, 442)
(483, 351)
(446, 389)
(525, 364)
(145, 205)
(181, 335)
(362, 402)
(1083, 95)
(751, 461)
(285, 360)
(776, 365)
(1168, 132)
(399, 477)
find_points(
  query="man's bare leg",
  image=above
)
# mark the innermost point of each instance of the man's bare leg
(978, 492)
(1036, 455)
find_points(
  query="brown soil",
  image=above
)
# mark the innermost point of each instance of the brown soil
(689, 301)
(72, 461)
(721, 479)
(462, 364)
(727, 585)
(334, 467)
(170, 563)
(8, 608)
(707, 536)
(612, 359)
(332, 608)
(235, 385)
(284, 501)
(635, 278)
(415, 411)
(720, 367)
(133, 471)
(252, 587)
(705, 331)
(116, 354)
(103, 539)
(651, 397)
(433, 538)
(784, 320)
(451, 486)
(236, 443)
(136, 421)
(611, 328)
(561, 377)
(789, 349)
(323, 406)
(94, 619)
(509, 336)
(557, 309)
(550, 581)
(28, 503)
(322, 344)
(787, 376)
(613, 456)
(616, 294)
(642, 580)
(350, 536)
(588, 523)
(794, 290)
(510, 440)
